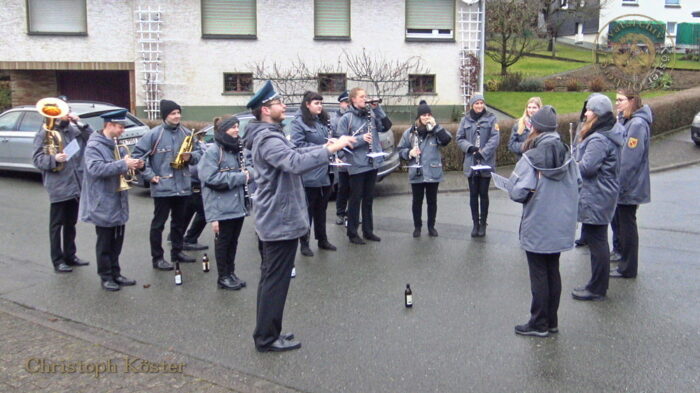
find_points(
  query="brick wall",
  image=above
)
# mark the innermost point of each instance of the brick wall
(28, 87)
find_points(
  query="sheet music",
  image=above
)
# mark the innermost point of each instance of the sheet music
(72, 148)
(339, 164)
(502, 183)
(480, 167)
(378, 154)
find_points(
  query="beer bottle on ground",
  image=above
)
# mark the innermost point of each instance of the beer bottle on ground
(178, 274)
(408, 296)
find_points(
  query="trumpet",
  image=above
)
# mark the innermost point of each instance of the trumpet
(186, 147)
(51, 109)
(130, 176)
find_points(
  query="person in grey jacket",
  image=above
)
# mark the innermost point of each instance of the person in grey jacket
(521, 128)
(102, 203)
(223, 191)
(420, 146)
(170, 187)
(598, 155)
(478, 136)
(546, 181)
(280, 209)
(635, 185)
(63, 187)
(310, 128)
(365, 121)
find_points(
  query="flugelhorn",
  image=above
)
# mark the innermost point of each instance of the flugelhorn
(51, 109)
(130, 176)
(186, 147)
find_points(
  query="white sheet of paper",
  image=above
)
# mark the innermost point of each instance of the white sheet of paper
(414, 166)
(480, 167)
(502, 183)
(378, 154)
(339, 164)
(72, 148)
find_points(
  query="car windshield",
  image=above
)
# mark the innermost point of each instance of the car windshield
(96, 122)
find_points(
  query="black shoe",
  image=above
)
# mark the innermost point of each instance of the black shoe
(482, 228)
(182, 258)
(357, 240)
(238, 280)
(281, 345)
(527, 330)
(305, 250)
(580, 243)
(475, 229)
(416, 232)
(194, 246)
(553, 329)
(123, 281)
(162, 264)
(339, 220)
(586, 295)
(62, 268)
(110, 285)
(227, 282)
(372, 237)
(326, 245)
(78, 262)
(615, 256)
(432, 232)
(616, 274)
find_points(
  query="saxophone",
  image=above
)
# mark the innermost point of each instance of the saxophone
(51, 109)
(187, 146)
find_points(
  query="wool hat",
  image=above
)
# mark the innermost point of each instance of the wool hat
(476, 97)
(166, 107)
(344, 96)
(423, 108)
(545, 119)
(599, 105)
(225, 124)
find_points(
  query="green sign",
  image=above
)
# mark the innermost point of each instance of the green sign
(655, 31)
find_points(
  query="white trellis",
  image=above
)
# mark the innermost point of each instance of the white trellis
(148, 29)
(472, 41)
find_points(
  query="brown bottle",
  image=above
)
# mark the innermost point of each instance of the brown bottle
(205, 263)
(408, 296)
(178, 274)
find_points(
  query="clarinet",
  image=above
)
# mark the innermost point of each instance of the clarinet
(416, 144)
(477, 143)
(370, 129)
(241, 161)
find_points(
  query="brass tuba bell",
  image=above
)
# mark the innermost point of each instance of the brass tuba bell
(51, 109)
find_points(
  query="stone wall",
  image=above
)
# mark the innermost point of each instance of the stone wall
(28, 87)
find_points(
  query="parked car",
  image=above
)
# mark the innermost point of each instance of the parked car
(19, 125)
(391, 162)
(695, 129)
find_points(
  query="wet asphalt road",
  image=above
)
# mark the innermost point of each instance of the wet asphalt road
(347, 306)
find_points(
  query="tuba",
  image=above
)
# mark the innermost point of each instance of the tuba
(130, 176)
(186, 147)
(51, 109)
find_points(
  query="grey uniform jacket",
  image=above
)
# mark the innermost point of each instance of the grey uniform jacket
(223, 184)
(548, 188)
(354, 123)
(489, 138)
(430, 157)
(65, 184)
(515, 143)
(158, 148)
(100, 203)
(598, 157)
(280, 201)
(305, 136)
(635, 186)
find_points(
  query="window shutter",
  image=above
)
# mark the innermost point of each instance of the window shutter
(332, 18)
(229, 17)
(430, 14)
(57, 16)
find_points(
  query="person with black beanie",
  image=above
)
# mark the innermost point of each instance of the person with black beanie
(420, 145)
(478, 136)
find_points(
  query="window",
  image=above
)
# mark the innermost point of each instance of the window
(671, 28)
(332, 19)
(61, 17)
(629, 2)
(430, 20)
(421, 84)
(9, 120)
(31, 121)
(229, 19)
(673, 3)
(238, 83)
(332, 83)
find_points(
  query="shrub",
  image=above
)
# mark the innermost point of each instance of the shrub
(573, 85)
(550, 85)
(511, 81)
(493, 85)
(665, 82)
(597, 84)
(531, 85)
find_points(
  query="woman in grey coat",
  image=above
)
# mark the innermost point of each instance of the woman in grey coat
(521, 128)
(224, 181)
(420, 146)
(310, 127)
(546, 181)
(598, 155)
(478, 137)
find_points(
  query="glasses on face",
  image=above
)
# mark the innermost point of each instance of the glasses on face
(275, 102)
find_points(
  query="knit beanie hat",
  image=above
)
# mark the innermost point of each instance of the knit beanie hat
(545, 119)
(166, 107)
(225, 124)
(599, 105)
(476, 97)
(423, 108)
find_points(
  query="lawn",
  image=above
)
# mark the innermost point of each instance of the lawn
(513, 102)
(569, 52)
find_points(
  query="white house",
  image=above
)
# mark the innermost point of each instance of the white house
(207, 55)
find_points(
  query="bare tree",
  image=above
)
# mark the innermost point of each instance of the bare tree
(291, 79)
(512, 30)
(556, 13)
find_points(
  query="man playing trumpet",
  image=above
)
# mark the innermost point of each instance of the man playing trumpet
(104, 201)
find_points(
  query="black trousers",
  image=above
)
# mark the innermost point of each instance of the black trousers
(597, 237)
(629, 239)
(164, 207)
(62, 218)
(108, 247)
(275, 275)
(361, 195)
(317, 198)
(430, 190)
(341, 198)
(226, 244)
(479, 196)
(545, 284)
(194, 208)
(614, 225)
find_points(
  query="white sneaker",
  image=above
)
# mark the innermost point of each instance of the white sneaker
(294, 272)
